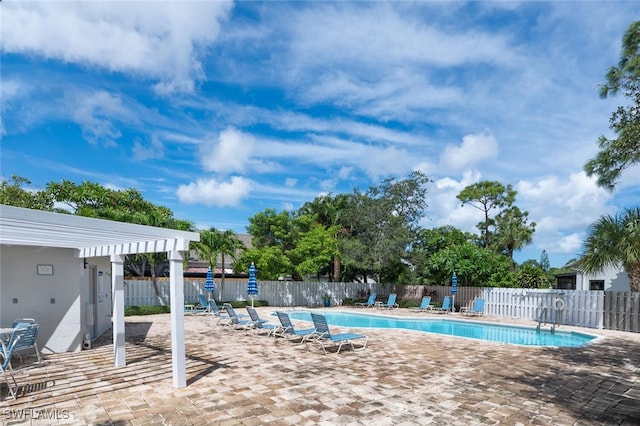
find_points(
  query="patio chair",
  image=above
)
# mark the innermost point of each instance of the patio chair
(215, 312)
(28, 340)
(289, 331)
(5, 361)
(203, 302)
(446, 306)
(425, 305)
(236, 322)
(201, 308)
(22, 322)
(369, 303)
(323, 334)
(476, 308)
(260, 324)
(391, 302)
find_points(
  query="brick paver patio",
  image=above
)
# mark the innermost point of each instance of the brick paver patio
(402, 378)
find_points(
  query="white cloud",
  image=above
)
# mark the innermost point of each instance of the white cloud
(373, 35)
(402, 95)
(290, 182)
(12, 88)
(473, 150)
(288, 207)
(446, 209)
(427, 167)
(229, 154)
(563, 209)
(379, 163)
(571, 244)
(95, 112)
(160, 40)
(576, 201)
(212, 192)
(142, 152)
(345, 172)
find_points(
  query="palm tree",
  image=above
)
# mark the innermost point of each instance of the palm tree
(213, 243)
(614, 241)
(512, 231)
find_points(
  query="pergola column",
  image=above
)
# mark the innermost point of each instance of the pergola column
(176, 282)
(117, 277)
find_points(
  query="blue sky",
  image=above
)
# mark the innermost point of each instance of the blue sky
(220, 110)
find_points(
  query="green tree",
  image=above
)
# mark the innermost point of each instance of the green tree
(94, 200)
(328, 211)
(13, 193)
(530, 276)
(214, 243)
(270, 228)
(427, 242)
(316, 247)
(512, 231)
(544, 261)
(614, 241)
(617, 154)
(487, 196)
(272, 235)
(271, 262)
(380, 225)
(475, 266)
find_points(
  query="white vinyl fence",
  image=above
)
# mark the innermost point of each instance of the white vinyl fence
(594, 309)
(567, 307)
(276, 293)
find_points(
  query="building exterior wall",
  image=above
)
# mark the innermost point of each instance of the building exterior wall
(615, 279)
(57, 301)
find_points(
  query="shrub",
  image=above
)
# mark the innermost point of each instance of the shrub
(408, 303)
(146, 310)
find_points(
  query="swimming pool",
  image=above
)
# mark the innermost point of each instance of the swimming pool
(514, 335)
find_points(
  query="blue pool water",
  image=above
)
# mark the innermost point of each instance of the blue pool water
(475, 330)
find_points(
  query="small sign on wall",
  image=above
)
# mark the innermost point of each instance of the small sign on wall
(45, 269)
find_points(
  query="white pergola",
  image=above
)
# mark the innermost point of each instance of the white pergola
(97, 238)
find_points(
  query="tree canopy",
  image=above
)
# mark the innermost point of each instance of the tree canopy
(358, 234)
(619, 153)
(13, 193)
(371, 233)
(487, 196)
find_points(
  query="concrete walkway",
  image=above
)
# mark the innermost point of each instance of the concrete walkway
(401, 378)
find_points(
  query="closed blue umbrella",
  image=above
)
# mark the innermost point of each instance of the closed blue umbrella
(454, 290)
(252, 287)
(209, 284)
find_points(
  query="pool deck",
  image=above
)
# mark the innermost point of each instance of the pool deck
(402, 378)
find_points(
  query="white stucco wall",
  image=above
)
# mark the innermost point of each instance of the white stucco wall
(615, 279)
(57, 302)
